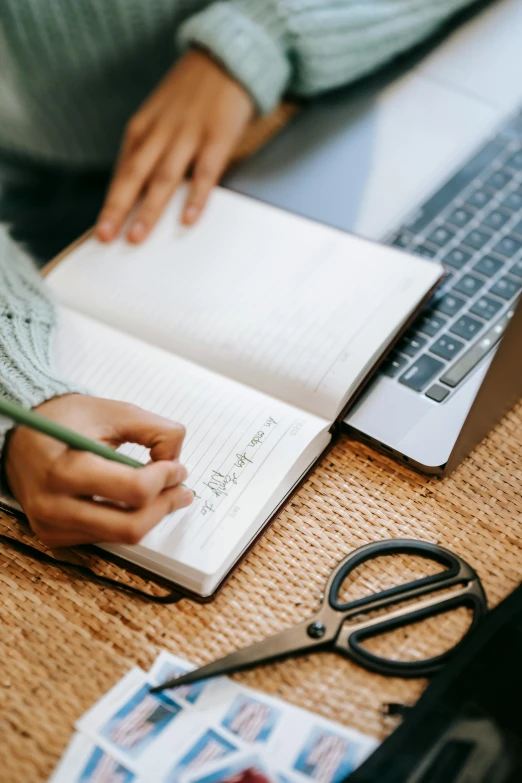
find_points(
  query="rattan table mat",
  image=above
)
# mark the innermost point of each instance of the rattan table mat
(64, 641)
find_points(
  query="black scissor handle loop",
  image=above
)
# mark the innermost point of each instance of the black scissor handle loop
(474, 600)
(456, 570)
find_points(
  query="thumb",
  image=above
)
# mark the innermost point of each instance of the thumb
(163, 437)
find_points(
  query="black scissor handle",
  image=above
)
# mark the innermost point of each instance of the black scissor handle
(474, 599)
(456, 571)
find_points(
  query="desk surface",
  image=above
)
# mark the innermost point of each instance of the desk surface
(65, 641)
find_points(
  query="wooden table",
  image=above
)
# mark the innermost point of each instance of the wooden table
(64, 641)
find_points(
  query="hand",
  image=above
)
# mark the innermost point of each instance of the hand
(55, 485)
(195, 117)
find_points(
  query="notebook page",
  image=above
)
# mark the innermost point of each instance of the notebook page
(240, 444)
(288, 306)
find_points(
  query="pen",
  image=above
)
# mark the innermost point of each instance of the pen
(57, 431)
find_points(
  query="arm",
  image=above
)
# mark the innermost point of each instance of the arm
(309, 46)
(54, 484)
(27, 318)
(241, 55)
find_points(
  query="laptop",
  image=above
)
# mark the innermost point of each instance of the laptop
(427, 157)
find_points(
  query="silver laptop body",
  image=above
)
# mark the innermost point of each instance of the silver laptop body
(365, 159)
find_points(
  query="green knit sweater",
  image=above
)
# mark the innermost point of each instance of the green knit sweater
(72, 73)
(27, 318)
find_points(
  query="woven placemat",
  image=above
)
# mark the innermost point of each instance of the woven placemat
(66, 641)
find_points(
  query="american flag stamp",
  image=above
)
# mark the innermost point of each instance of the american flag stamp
(251, 720)
(139, 721)
(211, 746)
(326, 757)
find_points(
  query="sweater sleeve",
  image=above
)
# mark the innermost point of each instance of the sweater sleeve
(27, 318)
(308, 46)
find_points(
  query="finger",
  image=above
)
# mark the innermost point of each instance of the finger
(207, 173)
(135, 131)
(163, 182)
(86, 475)
(67, 521)
(130, 177)
(162, 436)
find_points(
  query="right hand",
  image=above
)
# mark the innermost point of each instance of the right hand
(55, 485)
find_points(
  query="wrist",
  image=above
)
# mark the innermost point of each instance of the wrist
(9, 432)
(251, 49)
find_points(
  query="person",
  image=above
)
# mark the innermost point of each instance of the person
(111, 103)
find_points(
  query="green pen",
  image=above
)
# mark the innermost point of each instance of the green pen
(57, 431)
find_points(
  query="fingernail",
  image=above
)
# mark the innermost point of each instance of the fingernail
(191, 214)
(187, 496)
(137, 231)
(181, 474)
(105, 229)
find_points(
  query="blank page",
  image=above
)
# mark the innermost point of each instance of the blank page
(240, 446)
(291, 307)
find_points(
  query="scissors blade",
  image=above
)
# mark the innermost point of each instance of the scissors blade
(292, 641)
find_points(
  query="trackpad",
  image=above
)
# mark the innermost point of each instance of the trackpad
(388, 411)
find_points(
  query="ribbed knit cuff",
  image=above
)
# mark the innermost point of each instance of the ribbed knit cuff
(248, 38)
(27, 317)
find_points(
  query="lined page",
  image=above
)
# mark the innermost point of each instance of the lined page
(240, 445)
(288, 306)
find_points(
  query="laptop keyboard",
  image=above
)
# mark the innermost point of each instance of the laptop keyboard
(473, 225)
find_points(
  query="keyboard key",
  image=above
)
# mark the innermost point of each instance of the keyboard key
(421, 372)
(513, 201)
(447, 347)
(449, 304)
(424, 250)
(432, 208)
(517, 229)
(516, 269)
(394, 365)
(506, 288)
(437, 393)
(469, 285)
(476, 239)
(411, 344)
(486, 307)
(472, 357)
(515, 161)
(479, 198)
(488, 266)
(430, 324)
(508, 246)
(498, 180)
(496, 219)
(403, 239)
(456, 258)
(459, 217)
(441, 236)
(514, 127)
(466, 327)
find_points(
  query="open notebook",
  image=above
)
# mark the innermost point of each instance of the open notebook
(255, 329)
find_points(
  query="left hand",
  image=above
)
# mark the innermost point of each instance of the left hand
(195, 117)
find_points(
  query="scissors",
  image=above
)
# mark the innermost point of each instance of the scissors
(329, 630)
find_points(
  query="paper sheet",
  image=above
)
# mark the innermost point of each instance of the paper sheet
(291, 307)
(204, 733)
(241, 445)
